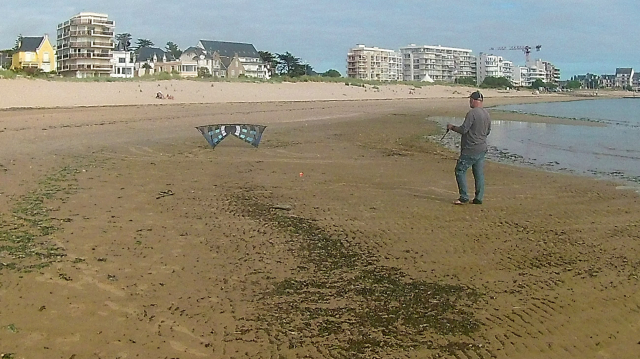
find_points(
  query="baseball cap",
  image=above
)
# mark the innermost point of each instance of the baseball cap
(476, 96)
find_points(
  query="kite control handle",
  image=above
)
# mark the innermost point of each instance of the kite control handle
(444, 135)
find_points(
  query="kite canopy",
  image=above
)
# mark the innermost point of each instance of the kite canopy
(216, 133)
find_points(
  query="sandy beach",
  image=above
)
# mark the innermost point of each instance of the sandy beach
(123, 234)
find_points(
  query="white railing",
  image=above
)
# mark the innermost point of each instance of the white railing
(90, 22)
(102, 33)
(85, 56)
(86, 67)
(89, 44)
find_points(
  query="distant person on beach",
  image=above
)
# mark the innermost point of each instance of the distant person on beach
(159, 95)
(473, 148)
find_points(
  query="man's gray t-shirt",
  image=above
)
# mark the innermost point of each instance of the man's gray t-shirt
(474, 130)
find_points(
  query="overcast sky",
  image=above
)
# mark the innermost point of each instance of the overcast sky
(578, 36)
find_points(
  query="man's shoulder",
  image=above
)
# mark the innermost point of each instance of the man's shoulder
(478, 110)
(481, 111)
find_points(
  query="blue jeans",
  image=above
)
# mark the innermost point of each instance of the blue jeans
(476, 162)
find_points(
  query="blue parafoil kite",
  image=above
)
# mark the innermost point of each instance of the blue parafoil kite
(216, 133)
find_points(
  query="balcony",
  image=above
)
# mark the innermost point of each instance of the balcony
(76, 33)
(90, 22)
(85, 56)
(29, 64)
(84, 67)
(89, 44)
(102, 33)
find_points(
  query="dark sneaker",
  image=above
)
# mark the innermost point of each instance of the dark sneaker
(460, 201)
(476, 201)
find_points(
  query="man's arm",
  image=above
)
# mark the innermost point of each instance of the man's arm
(462, 129)
(453, 128)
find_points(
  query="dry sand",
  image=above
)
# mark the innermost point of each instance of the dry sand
(124, 235)
(23, 93)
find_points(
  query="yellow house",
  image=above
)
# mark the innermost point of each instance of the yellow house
(35, 52)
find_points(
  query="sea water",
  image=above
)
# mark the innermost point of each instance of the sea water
(610, 150)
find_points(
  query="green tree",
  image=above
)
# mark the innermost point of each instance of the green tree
(305, 70)
(496, 82)
(289, 65)
(538, 83)
(270, 60)
(331, 73)
(18, 43)
(147, 68)
(573, 85)
(203, 72)
(140, 43)
(123, 41)
(174, 50)
(467, 80)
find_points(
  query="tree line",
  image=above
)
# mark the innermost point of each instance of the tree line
(502, 82)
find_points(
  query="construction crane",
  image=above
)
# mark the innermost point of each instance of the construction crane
(526, 49)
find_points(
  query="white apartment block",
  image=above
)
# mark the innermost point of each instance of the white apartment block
(493, 66)
(524, 76)
(520, 76)
(84, 45)
(437, 63)
(373, 63)
(537, 72)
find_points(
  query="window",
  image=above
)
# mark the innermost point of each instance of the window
(122, 60)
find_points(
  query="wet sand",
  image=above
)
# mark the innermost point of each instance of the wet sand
(125, 235)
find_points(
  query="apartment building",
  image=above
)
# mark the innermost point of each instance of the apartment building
(521, 76)
(537, 71)
(373, 63)
(437, 63)
(84, 46)
(524, 76)
(552, 73)
(490, 65)
(624, 76)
